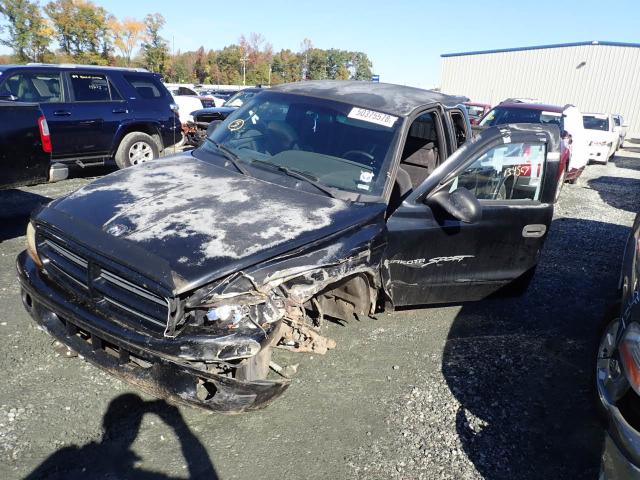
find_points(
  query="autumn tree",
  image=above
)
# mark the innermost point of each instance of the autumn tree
(155, 50)
(127, 35)
(28, 32)
(82, 30)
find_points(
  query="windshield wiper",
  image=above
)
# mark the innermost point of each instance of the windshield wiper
(298, 175)
(230, 155)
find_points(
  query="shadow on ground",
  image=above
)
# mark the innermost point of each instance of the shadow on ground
(15, 209)
(612, 191)
(625, 161)
(521, 368)
(113, 457)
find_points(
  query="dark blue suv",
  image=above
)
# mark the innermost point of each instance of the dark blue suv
(97, 114)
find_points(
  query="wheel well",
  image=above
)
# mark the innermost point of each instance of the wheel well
(149, 129)
(353, 295)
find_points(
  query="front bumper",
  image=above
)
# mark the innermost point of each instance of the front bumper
(599, 153)
(151, 371)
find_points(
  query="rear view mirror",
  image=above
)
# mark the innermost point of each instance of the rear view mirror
(460, 204)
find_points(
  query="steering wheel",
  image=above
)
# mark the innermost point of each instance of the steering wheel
(356, 153)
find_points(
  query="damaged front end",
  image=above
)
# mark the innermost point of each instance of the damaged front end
(214, 347)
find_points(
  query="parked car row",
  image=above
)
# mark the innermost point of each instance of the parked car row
(587, 137)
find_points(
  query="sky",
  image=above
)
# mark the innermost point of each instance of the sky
(403, 38)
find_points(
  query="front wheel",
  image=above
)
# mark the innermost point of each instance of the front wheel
(136, 148)
(610, 381)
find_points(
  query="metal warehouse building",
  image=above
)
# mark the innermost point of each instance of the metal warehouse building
(594, 76)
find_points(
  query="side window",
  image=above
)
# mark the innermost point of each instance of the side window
(145, 86)
(115, 94)
(89, 87)
(459, 128)
(512, 171)
(34, 87)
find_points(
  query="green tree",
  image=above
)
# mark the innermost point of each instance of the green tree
(82, 30)
(286, 67)
(28, 31)
(155, 50)
(317, 64)
(361, 66)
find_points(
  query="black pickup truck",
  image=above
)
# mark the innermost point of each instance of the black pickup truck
(312, 201)
(25, 146)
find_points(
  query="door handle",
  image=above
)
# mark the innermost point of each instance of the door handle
(62, 113)
(535, 230)
(119, 110)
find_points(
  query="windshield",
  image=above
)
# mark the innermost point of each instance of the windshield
(593, 122)
(504, 115)
(334, 144)
(240, 98)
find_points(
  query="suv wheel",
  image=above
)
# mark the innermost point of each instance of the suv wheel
(136, 148)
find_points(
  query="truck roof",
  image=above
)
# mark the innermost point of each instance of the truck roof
(396, 100)
(535, 106)
(68, 66)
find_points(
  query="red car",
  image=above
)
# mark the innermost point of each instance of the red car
(522, 112)
(476, 111)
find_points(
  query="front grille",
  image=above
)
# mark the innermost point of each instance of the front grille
(92, 280)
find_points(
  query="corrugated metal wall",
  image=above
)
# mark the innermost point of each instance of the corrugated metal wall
(595, 78)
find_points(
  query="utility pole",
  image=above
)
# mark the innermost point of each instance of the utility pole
(244, 68)
(269, 74)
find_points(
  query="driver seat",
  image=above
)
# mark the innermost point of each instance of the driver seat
(283, 137)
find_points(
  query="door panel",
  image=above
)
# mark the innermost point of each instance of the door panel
(95, 114)
(435, 258)
(441, 260)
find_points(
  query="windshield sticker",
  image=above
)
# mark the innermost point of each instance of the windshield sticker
(236, 125)
(423, 262)
(362, 186)
(372, 117)
(366, 177)
(552, 114)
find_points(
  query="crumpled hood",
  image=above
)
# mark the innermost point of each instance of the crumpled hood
(206, 221)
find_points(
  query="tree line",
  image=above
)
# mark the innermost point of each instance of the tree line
(79, 31)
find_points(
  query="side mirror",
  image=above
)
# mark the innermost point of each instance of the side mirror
(8, 96)
(460, 204)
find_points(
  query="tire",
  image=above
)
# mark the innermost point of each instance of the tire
(136, 148)
(607, 374)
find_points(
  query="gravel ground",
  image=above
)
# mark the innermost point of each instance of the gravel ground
(495, 389)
